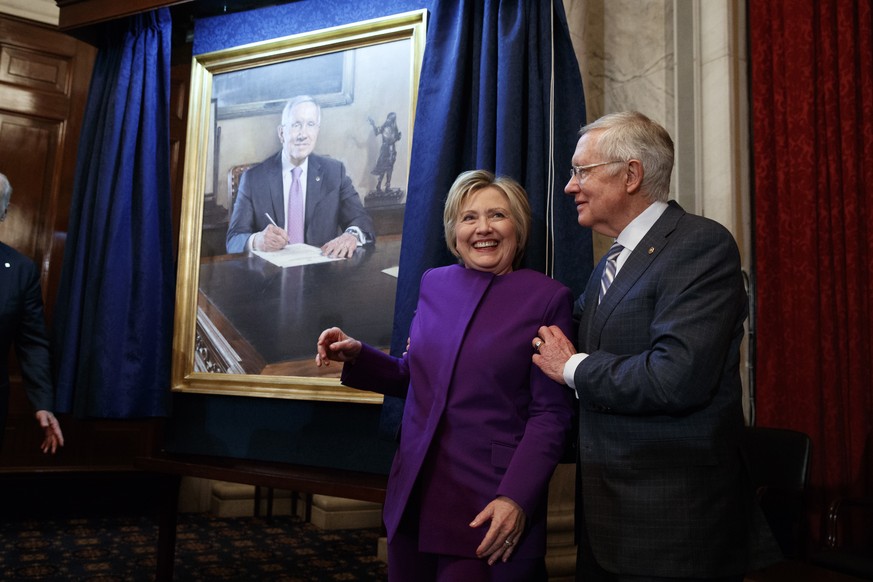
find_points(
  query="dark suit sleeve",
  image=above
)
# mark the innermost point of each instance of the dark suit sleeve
(667, 344)
(352, 212)
(32, 346)
(243, 220)
(332, 203)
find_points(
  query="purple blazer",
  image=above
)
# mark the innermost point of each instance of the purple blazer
(480, 419)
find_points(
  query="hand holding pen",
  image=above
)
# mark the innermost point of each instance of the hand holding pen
(271, 238)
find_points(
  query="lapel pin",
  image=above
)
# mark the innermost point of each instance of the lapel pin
(7, 265)
(651, 250)
(318, 178)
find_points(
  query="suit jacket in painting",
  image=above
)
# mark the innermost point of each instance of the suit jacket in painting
(663, 490)
(332, 203)
(480, 420)
(22, 324)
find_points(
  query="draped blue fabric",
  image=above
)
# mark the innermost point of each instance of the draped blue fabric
(229, 30)
(113, 320)
(484, 103)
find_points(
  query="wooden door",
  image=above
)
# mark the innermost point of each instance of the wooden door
(44, 77)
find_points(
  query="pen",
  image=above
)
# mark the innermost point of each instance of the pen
(270, 218)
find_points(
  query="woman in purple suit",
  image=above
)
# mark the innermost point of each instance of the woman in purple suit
(482, 429)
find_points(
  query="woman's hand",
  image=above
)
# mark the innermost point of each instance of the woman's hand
(334, 345)
(507, 526)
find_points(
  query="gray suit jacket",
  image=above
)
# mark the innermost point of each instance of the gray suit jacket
(332, 203)
(663, 488)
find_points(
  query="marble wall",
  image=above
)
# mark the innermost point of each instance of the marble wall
(625, 51)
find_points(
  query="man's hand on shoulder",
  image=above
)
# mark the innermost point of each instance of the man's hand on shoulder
(552, 350)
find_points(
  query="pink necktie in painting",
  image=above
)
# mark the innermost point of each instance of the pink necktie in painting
(294, 214)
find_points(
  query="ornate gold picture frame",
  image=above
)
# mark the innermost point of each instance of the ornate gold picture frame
(246, 323)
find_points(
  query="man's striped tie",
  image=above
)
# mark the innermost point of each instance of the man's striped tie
(609, 269)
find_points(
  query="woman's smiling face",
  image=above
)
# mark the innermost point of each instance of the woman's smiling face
(485, 233)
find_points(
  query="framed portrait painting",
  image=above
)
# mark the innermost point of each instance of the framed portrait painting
(247, 319)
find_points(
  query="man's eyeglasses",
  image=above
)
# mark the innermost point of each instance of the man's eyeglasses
(582, 172)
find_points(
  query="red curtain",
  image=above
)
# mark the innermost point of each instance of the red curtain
(812, 127)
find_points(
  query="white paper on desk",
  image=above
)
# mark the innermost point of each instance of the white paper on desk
(295, 255)
(393, 271)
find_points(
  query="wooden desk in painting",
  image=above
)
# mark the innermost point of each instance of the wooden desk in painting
(254, 317)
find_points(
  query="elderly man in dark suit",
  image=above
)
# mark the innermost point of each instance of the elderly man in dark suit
(295, 196)
(664, 493)
(22, 324)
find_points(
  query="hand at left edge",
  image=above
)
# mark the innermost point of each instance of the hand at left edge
(53, 436)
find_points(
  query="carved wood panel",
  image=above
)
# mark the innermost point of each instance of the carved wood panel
(44, 78)
(29, 212)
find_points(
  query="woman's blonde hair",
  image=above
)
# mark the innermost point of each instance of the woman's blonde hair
(470, 182)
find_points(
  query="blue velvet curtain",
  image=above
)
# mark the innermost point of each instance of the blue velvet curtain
(500, 90)
(113, 319)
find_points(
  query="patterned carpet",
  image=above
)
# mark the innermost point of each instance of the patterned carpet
(104, 549)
